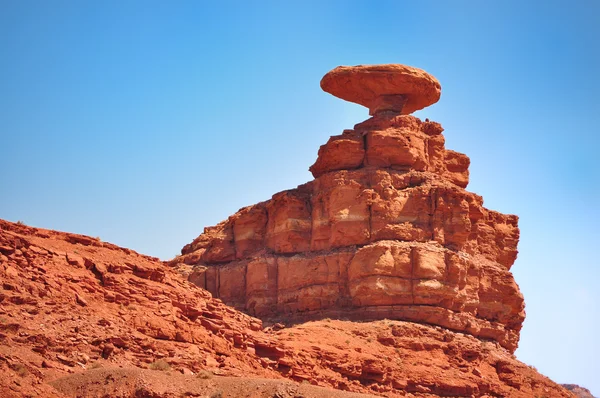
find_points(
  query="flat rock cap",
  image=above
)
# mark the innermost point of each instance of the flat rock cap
(392, 87)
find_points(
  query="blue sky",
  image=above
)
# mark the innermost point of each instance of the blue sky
(143, 122)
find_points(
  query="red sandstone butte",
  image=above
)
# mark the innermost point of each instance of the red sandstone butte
(386, 230)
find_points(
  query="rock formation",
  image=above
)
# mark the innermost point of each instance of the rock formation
(579, 391)
(385, 230)
(84, 318)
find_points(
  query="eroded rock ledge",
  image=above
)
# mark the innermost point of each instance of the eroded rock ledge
(97, 316)
(386, 230)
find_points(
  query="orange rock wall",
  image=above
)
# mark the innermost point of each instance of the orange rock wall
(386, 230)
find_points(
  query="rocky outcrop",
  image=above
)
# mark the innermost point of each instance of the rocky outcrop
(382, 88)
(579, 391)
(69, 303)
(84, 318)
(386, 230)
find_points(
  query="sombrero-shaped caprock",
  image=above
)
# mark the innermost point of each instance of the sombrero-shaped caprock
(392, 88)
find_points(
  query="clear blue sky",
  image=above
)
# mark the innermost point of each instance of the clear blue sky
(141, 122)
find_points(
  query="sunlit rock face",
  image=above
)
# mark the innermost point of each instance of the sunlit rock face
(385, 230)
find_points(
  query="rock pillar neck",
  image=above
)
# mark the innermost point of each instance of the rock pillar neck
(391, 105)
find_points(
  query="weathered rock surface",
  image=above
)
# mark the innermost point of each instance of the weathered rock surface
(386, 230)
(70, 303)
(391, 87)
(579, 391)
(108, 324)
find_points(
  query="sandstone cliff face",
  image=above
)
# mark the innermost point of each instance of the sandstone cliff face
(84, 318)
(386, 230)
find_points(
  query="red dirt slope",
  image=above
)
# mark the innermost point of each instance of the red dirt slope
(73, 310)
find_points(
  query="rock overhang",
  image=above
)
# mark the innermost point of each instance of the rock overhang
(391, 88)
(386, 230)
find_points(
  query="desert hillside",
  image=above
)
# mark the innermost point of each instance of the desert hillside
(81, 317)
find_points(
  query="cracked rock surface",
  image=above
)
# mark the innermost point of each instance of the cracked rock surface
(386, 230)
(85, 318)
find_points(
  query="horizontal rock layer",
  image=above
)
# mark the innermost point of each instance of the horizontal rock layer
(400, 143)
(386, 230)
(83, 318)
